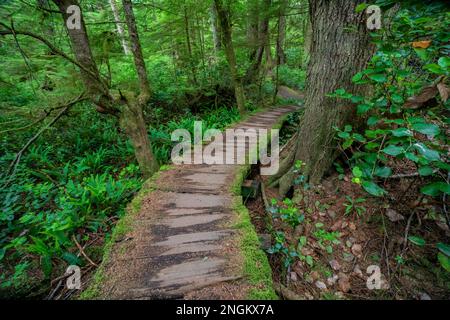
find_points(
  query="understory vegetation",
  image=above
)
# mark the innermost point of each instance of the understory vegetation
(385, 201)
(67, 172)
(359, 207)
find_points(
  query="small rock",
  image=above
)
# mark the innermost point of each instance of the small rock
(394, 216)
(358, 272)
(344, 283)
(332, 214)
(294, 276)
(424, 296)
(334, 264)
(321, 285)
(332, 280)
(357, 250)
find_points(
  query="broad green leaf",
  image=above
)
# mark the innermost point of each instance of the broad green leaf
(347, 143)
(444, 261)
(372, 188)
(344, 135)
(427, 129)
(418, 241)
(397, 98)
(428, 153)
(363, 108)
(433, 67)
(402, 132)
(2, 253)
(444, 62)
(357, 99)
(422, 53)
(357, 172)
(436, 188)
(393, 150)
(378, 77)
(425, 171)
(444, 248)
(411, 156)
(372, 121)
(357, 77)
(383, 172)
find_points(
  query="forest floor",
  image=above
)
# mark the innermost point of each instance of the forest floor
(343, 244)
(187, 237)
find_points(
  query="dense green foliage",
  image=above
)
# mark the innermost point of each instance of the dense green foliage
(74, 181)
(406, 125)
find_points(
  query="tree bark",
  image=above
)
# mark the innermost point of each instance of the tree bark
(225, 27)
(214, 29)
(340, 48)
(137, 52)
(262, 41)
(128, 110)
(120, 31)
(281, 37)
(191, 63)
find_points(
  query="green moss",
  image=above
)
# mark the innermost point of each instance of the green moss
(255, 266)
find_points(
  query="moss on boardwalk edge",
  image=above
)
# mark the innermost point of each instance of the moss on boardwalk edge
(93, 291)
(256, 267)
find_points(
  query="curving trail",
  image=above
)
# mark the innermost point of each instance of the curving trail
(182, 242)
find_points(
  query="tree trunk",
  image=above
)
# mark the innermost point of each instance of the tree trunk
(253, 28)
(281, 56)
(262, 37)
(129, 111)
(120, 31)
(337, 53)
(214, 29)
(132, 120)
(225, 27)
(307, 36)
(191, 63)
(137, 52)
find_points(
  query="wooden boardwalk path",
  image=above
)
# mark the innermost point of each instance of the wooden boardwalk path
(182, 243)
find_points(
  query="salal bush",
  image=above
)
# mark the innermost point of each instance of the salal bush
(405, 117)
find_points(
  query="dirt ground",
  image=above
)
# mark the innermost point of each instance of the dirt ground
(378, 236)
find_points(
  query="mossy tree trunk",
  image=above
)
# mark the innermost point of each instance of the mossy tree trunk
(340, 48)
(127, 109)
(225, 27)
(119, 28)
(281, 36)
